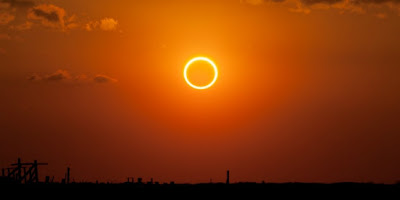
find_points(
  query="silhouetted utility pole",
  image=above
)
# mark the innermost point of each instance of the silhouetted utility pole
(68, 175)
(227, 177)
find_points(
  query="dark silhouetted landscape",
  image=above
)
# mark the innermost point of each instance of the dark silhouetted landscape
(276, 96)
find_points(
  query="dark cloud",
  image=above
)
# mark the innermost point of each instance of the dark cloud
(59, 75)
(52, 16)
(34, 77)
(14, 11)
(374, 1)
(312, 2)
(18, 3)
(49, 15)
(355, 2)
(258, 2)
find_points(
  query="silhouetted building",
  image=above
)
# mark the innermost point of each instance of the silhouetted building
(130, 180)
(227, 177)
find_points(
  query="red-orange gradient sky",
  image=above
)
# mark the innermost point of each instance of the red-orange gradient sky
(308, 91)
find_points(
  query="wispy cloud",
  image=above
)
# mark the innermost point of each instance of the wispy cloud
(21, 27)
(51, 16)
(353, 6)
(381, 15)
(4, 36)
(100, 78)
(6, 18)
(106, 24)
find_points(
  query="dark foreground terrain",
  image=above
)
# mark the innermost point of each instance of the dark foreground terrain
(283, 189)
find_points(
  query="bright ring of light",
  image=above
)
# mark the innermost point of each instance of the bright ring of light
(200, 59)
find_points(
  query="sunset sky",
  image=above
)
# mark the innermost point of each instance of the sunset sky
(308, 90)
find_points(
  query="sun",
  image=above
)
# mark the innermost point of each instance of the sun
(205, 59)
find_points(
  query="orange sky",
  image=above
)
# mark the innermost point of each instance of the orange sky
(307, 90)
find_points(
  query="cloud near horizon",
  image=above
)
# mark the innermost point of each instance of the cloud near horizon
(63, 75)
